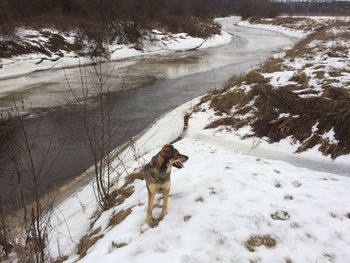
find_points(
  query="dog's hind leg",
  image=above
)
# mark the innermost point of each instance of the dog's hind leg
(166, 189)
(152, 190)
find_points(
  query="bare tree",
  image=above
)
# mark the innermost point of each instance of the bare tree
(98, 129)
(5, 244)
(29, 220)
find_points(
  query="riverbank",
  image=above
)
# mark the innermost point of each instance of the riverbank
(279, 208)
(64, 55)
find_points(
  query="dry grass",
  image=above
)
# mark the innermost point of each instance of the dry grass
(118, 245)
(320, 74)
(265, 104)
(119, 195)
(330, 110)
(55, 44)
(272, 65)
(254, 76)
(117, 218)
(297, 23)
(88, 241)
(60, 259)
(300, 78)
(256, 241)
(195, 27)
(335, 73)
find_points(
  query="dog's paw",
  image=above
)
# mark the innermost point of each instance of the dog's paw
(153, 222)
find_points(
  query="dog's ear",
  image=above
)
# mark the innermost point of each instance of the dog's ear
(167, 151)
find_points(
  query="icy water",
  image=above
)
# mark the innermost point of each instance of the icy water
(140, 91)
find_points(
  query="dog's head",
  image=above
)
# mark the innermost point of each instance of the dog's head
(172, 156)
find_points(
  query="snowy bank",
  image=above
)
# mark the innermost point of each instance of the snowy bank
(160, 43)
(294, 33)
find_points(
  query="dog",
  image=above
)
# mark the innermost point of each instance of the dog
(157, 176)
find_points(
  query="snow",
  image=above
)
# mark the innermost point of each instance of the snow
(230, 190)
(223, 196)
(22, 65)
(330, 136)
(294, 33)
(279, 78)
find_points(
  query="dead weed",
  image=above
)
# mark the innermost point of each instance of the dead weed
(256, 241)
(117, 218)
(88, 241)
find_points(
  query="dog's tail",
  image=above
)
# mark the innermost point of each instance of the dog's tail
(133, 176)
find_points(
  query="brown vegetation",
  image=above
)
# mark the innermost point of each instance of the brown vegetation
(55, 44)
(88, 241)
(305, 106)
(260, 240)
(117, 218)
(119, 245)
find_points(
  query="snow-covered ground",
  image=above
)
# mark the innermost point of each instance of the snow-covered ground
(221, 199)
(296, 27)
(157, 43)
(298, 34)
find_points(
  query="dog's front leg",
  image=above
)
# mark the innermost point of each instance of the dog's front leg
(149, 209)
(166, 189)
(152, 190)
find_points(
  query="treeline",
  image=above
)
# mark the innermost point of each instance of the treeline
(106, 10)
(126, 21)
(256, 8)
(141, 12)
(317, 8)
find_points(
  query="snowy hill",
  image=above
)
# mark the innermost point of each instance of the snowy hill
(224, 206)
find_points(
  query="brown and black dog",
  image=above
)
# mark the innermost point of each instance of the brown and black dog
(157, 177)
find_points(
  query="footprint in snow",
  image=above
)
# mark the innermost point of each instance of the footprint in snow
(212, 191)
(288, 197)
(199, 199)
(296, 184)
(280, 215)
(278, 185)
(187, 218)
(176, 195)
